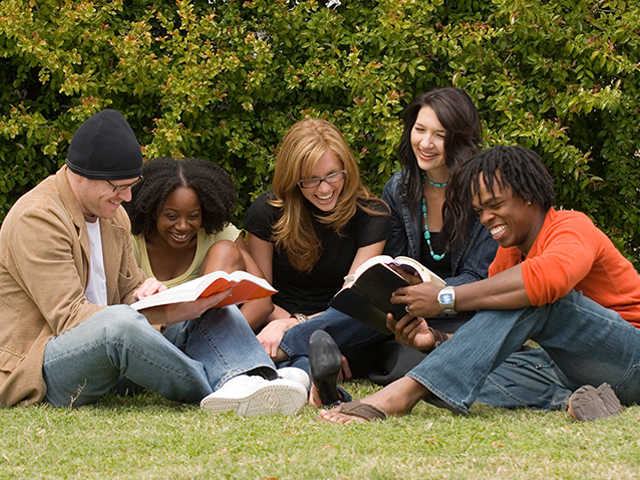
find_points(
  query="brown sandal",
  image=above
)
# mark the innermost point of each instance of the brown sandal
(362, 410)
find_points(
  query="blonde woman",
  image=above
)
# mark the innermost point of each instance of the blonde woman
(314, 228)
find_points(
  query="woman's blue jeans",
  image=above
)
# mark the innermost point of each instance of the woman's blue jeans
(588, 344)
(347, 332)
(191, 360)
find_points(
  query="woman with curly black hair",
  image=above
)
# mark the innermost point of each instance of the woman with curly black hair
(180, 215)
(180, 224)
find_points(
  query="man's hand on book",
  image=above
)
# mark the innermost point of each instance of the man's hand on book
(412, 331)
(148, 287)
(421, 300)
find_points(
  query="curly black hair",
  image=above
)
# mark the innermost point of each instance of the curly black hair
(161, 176)
(515, 167)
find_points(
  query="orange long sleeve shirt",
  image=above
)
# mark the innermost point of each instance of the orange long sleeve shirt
(570, 252)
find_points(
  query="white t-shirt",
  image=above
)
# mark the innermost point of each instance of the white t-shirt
(96, 291)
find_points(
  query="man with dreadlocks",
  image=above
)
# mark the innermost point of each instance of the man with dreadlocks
(556, 279)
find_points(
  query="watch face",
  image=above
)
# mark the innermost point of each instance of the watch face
(446, 298)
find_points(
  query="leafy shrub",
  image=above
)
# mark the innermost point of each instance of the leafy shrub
(225, 80)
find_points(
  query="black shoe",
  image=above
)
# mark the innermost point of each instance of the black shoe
(325, 363)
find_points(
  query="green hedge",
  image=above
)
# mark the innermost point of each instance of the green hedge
(225, 80)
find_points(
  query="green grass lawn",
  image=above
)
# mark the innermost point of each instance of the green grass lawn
(147, 437)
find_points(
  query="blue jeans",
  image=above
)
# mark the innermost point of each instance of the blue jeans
(191, 360)
(526, 379)
(347, 332)
(588, 344)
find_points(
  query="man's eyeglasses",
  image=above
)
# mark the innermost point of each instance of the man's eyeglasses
(122, 188)
(331, 179)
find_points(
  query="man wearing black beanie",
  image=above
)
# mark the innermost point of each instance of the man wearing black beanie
(67, 274)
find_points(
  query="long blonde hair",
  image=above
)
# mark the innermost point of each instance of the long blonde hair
(301, 148)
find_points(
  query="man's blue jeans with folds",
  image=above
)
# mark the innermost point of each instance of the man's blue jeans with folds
(191, 360)
(588, 344)
(527, 378)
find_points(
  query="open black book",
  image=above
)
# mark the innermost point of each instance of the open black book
(368, 299)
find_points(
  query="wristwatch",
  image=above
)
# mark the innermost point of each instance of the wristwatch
(447, 300)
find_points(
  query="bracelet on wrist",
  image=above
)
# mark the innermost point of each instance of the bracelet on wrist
(439, 336)
(301, 317)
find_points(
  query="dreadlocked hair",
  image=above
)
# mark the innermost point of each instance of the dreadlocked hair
(161, 176)
(459, 117)
(301, 148)
(501, 167)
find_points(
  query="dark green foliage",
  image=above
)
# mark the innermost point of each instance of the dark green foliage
(225, 80)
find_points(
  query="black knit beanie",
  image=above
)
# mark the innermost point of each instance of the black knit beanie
(105, 148)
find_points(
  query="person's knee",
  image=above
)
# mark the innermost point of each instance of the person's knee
(227, 321)
(223, 255)
(122, 321)
(230, 315)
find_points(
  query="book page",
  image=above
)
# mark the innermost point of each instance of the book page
(244, 285)
(411, 265)
(184, 292)
(372, 261)
(407, 264)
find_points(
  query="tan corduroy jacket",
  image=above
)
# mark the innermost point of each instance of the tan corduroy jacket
(44, 269)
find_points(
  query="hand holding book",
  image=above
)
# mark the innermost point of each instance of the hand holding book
(411, 277)
(368, 299)
(419, 300)
(244, 287)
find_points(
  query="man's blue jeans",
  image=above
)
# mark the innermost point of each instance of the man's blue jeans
(191, 360)
(525, 379)
(588, 344)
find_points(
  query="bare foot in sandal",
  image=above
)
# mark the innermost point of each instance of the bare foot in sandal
(396, 399)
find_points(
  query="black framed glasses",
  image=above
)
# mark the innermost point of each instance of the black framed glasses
(331, 179)
(122, 188)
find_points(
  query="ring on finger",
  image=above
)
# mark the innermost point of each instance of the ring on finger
(406, 308)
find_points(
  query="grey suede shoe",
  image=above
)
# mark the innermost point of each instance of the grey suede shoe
(589, 403)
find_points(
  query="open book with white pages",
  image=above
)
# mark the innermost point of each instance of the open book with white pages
(368, 298)
(245, 287)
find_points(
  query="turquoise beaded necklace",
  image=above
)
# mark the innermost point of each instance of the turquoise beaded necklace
(427, 235)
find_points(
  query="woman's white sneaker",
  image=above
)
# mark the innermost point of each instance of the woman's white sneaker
(254, 395)
(295, 375)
